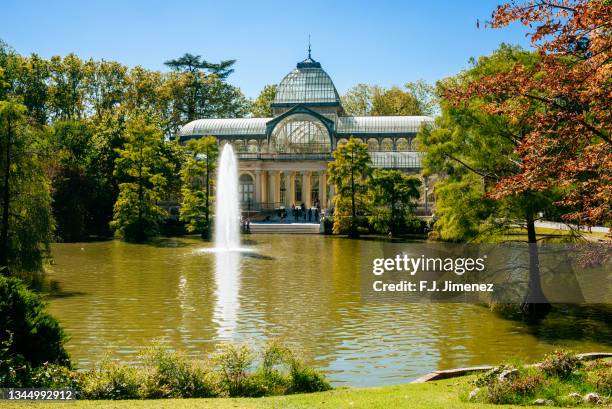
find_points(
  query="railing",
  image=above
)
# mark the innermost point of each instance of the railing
(380, 159)
(259, 206)
(283, 156)
(397, 160)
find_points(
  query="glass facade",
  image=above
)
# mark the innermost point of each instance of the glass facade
(307, 84)
(246, 189)
(309, 122)
(300, 134)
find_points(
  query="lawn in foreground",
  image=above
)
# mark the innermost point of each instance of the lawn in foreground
(431, 395)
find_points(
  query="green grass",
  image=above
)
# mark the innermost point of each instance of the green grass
(431, 395)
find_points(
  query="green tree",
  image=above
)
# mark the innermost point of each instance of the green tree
(32, 86)
(201, 91)
(393, 195)
(72, 186)
(477, 150)
(67, 89)
(26, 222)
(425, 95)
(358, 100)
(197, 176)
(145, 171)
(418, 98)
(348, 172)
(395, 101)
(262, 106)
(29, 336)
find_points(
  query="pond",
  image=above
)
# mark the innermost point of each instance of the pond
(114, 297)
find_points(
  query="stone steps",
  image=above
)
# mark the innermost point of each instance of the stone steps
(284, 228)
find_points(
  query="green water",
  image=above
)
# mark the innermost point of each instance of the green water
(114, 297)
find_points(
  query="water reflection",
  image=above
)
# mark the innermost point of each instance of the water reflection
(227, 289)
(304, 290)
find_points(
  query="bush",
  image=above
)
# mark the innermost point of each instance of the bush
(561, 379)
(560, 364)
(56, 377)
(170, 375)
(233, 362)
(280, 372)
(305, 379)
(29, 336)
(111, 381)
(599, 376)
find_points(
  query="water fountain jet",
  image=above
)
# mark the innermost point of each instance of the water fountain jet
(227, 210)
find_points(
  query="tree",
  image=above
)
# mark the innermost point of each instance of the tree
(194, 63)
(197, 176)
(70, 184)
(348, 172)
(563, 100)
(202, 91)
(67, 90)
(26, 223)
(29, 336)
(418, 98)
(395, 101)
(477, 150)
(425, 95)
(262, 106)
(358, 100)
(145, 172)
(393, 199)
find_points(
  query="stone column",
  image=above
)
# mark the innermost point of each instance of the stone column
(306, 189)
(257, 188)
(274, 187)
(289, 200)
(264, 187)
(323, 189)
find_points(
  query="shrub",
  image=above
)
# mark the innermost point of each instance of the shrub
(233, 362)
(560, 364)
(29, 336)
(599, 376)
(55, 376)
(170, 375)
(111, 381)
(490, 376)
(305, 379)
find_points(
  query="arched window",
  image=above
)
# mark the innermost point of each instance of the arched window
(300, 133)
(402, 144)
(386, 145)
(342, 141)
(253, 146)
(246, 189)
(373, 145)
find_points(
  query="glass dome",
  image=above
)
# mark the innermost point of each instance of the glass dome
(300, 133)
(308, 83)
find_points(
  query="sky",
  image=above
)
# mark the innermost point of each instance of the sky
(374, 42)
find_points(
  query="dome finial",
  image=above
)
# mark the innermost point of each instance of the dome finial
(309, 46)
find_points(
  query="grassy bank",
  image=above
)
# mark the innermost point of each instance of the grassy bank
(441, 394)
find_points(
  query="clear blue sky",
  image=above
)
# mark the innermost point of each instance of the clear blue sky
(377, 42)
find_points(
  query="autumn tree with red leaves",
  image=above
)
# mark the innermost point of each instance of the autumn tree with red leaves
(564, 102)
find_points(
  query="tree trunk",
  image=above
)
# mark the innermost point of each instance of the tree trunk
(535, 305)
(206, 231)
(5, 203)
(353, 232)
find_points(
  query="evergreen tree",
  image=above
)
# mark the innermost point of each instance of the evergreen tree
(26, 222)
(393, 196)
(262, 106)
(145, 172)
(197, 176)
(348, 172)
